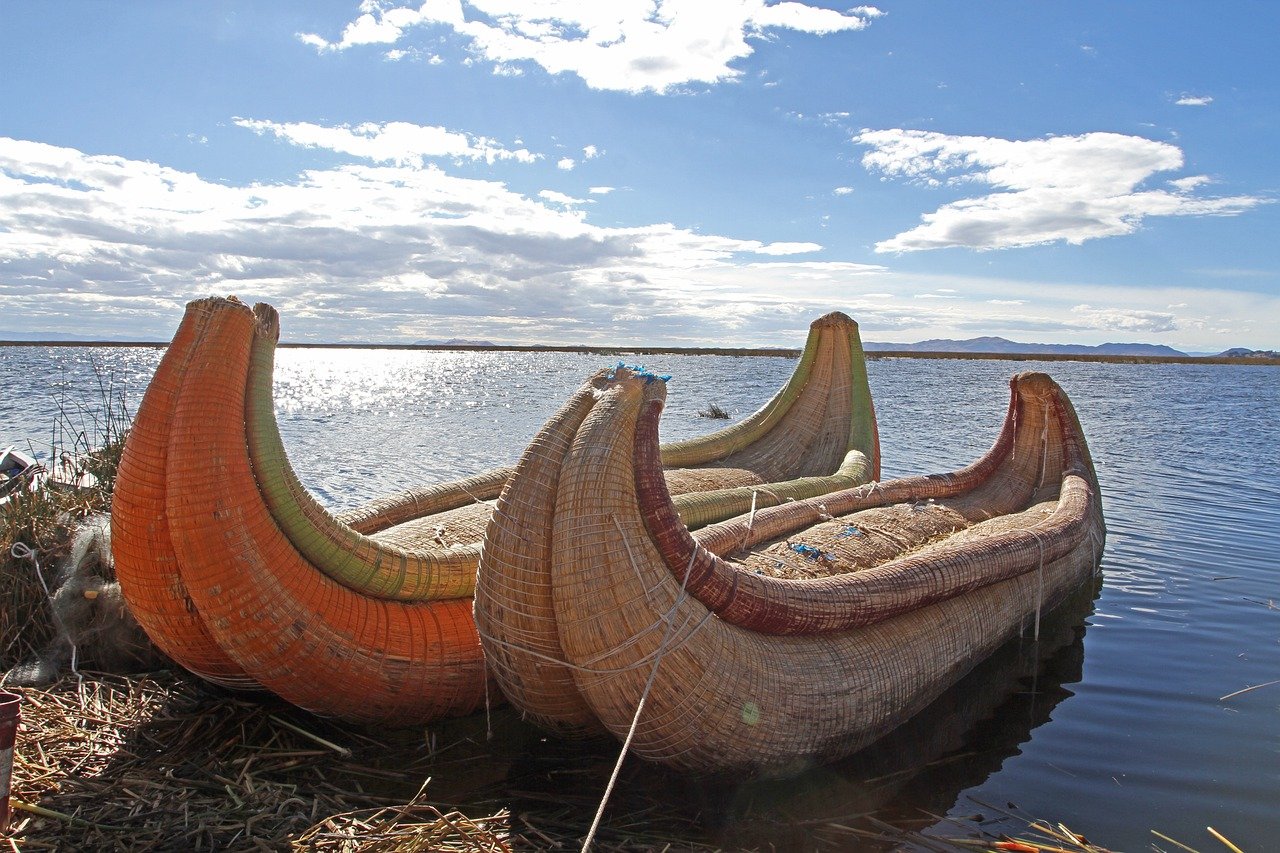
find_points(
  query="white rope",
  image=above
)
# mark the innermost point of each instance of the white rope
(488, 719)
(467, 492)
(751, 519)
(1013, 452)
(1040, 581)
(21, 551)
(664, 620)
(635, 720)
(1044, 443)
(588, 670)
(632, 558)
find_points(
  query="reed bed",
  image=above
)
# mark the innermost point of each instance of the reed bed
(165, 762)
(85, 438)
(161, 762)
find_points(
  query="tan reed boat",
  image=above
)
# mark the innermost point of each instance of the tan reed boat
(239, 575)
(792, 635)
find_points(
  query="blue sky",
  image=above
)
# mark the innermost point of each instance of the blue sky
(682, 171)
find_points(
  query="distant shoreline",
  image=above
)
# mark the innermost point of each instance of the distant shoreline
(728, 351)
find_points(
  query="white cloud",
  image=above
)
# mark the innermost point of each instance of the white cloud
(566, 164)
(561, 198)
(379, 24)
(1194, 101)
(788, 248)
(590, 152)
(1113, 320)
(397, 142)
(600, 190)
(632, 47)
(843, 190)
(356, 251)
(1061, 188)
(1189, 183)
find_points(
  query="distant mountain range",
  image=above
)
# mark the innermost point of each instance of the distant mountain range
(987, 344)
(1004, 346)
(454, 342)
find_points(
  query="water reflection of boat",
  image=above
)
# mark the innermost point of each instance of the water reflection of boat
(911, 583)
(237, 573)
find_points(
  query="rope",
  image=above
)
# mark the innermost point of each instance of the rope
(488, 720)
(632, 640)
(467, 492)
(1044, 444)
(1040, 581)
(751, 519)
(632, 558)
(635, 720)
(21, 551)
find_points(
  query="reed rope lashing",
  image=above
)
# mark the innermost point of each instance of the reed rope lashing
(1044, 445)
(22, 551)
(488, 719)
(585, 668)
(1040, 582)
(635, 719)
(1013, 451)
(632, 559)
(751, 519)
(467, 492)
(588, 670)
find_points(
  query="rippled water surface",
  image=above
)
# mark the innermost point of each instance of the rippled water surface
(1126, 729)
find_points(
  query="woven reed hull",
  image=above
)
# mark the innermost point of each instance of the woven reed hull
(725, 697)
(929, 760)
(141, 541)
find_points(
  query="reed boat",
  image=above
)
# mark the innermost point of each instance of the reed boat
(790, 636)
(237, 573)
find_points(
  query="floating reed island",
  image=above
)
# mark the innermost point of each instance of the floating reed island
(788, 636)
(238, 574)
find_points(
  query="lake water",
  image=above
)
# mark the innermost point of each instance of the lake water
(1121, 727)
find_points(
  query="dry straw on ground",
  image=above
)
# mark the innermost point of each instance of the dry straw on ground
(160, 762)
(164, 762)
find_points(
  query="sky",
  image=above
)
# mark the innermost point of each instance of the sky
(683, 172)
